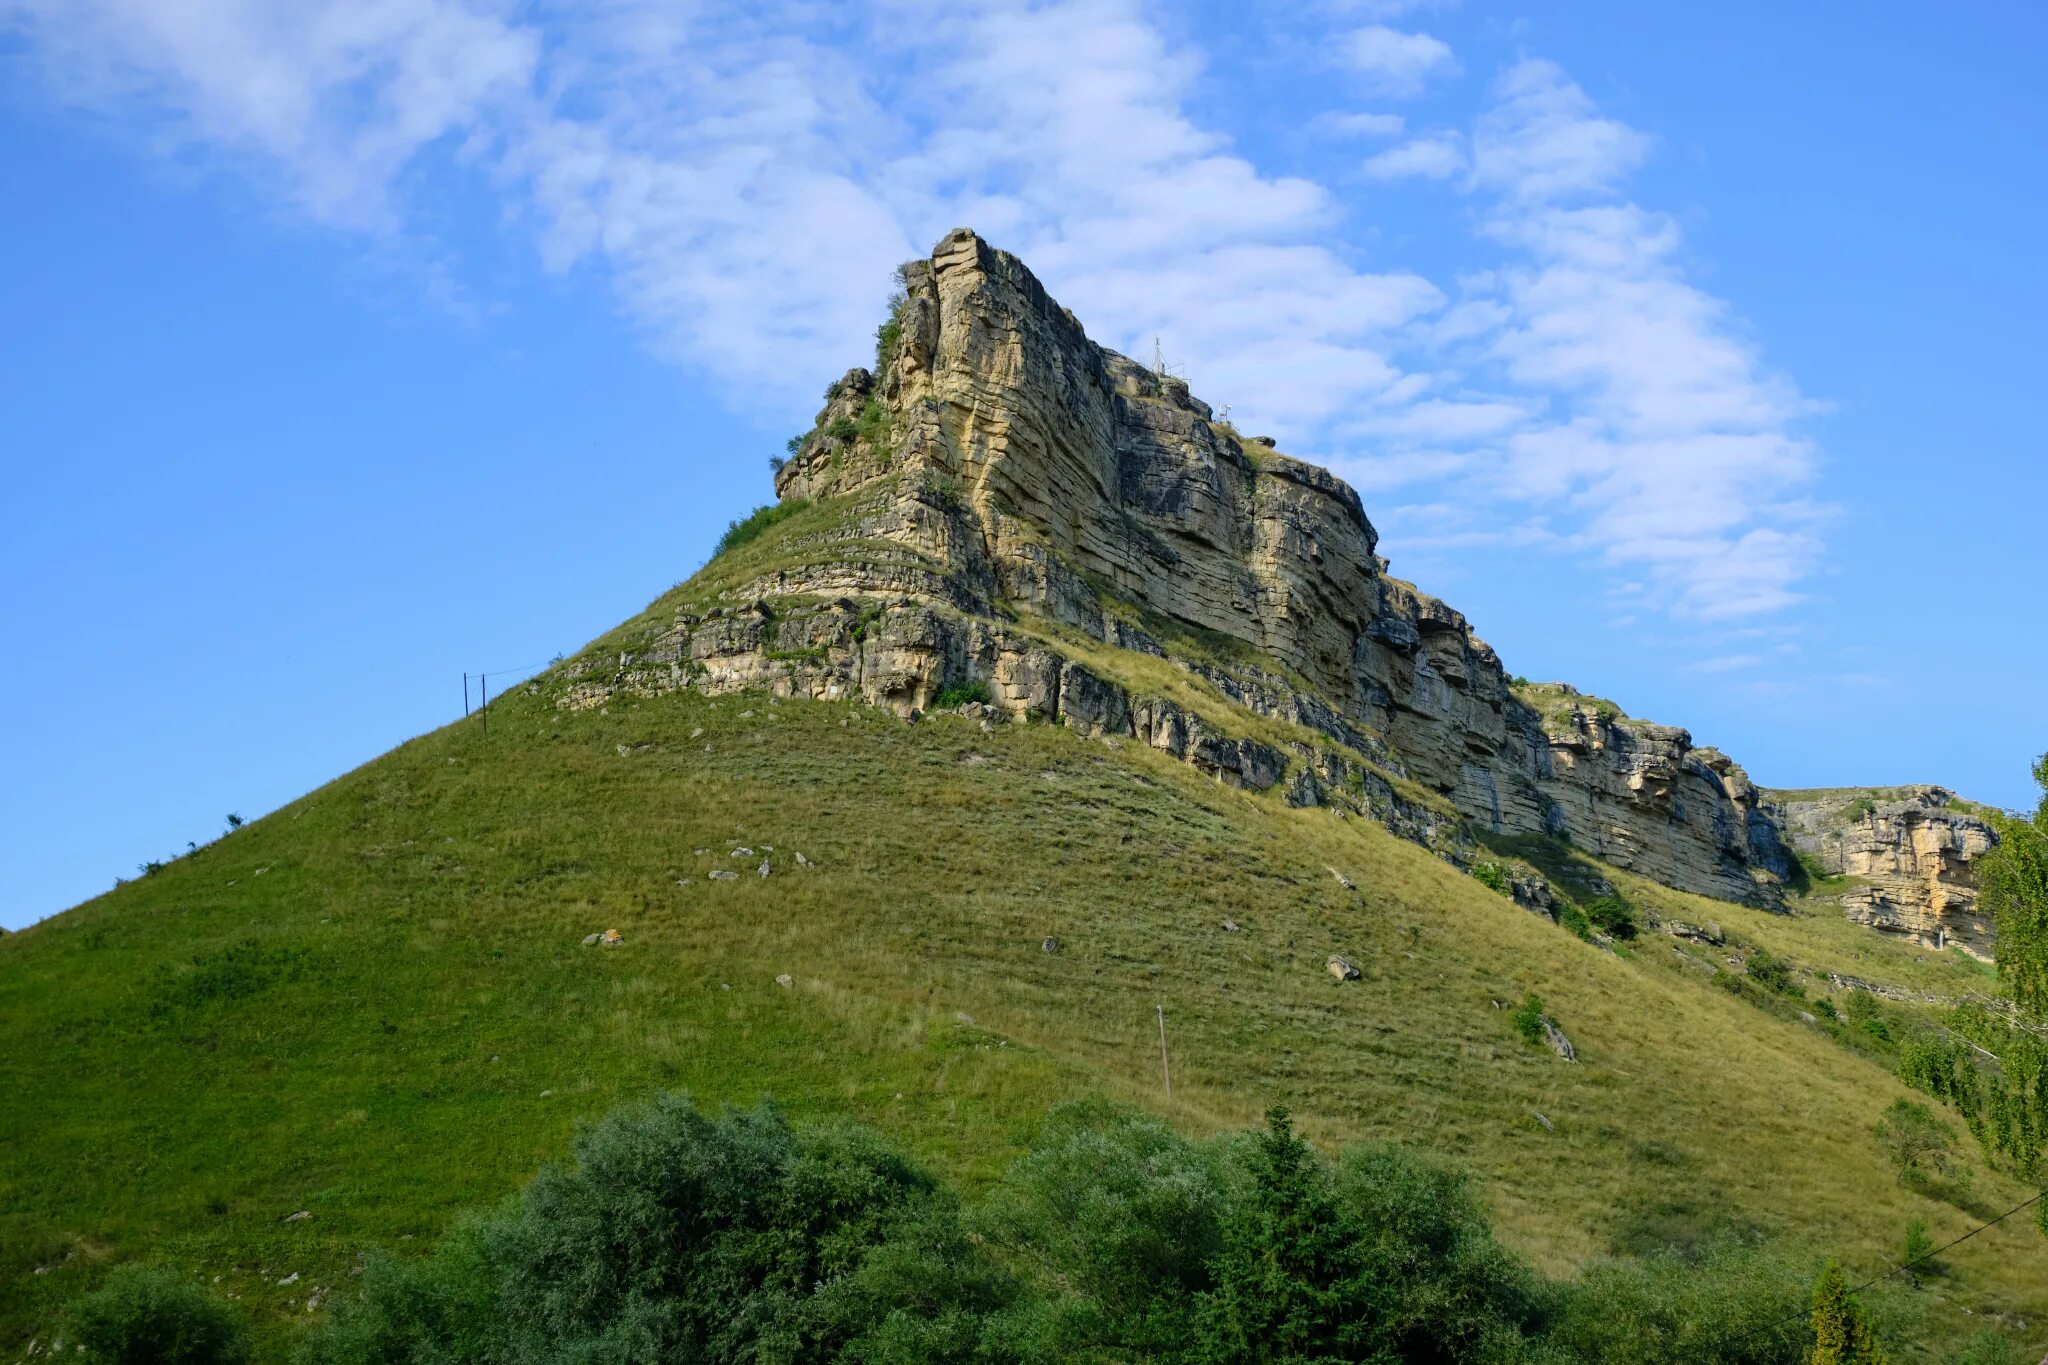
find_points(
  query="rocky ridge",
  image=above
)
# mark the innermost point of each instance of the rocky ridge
(1008, 514)
(1910, 854)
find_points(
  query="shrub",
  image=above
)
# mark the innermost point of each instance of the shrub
(1770, 971)
(1726, 1305)
(142, 1316)
(1989, 1348)
(1917, 1245)
(873, 425)
(1915, 1140)
(1528, 1019)
(1492, 875)
(1867, 1016)
(1826, 1008)
(960, 693)
(1120, 1213)
(678, 1235)
(1571, 917)
(234, 821)
(755, 524)
(1614, 915)
(796, 443)
(842, 429)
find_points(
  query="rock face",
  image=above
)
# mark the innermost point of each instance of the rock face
(1910, 854)
(1005, 502)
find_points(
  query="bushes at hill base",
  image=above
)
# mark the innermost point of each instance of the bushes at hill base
(682, 1236)
(142, 1316)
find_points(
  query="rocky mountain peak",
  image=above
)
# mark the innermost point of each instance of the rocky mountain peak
(1002, 509)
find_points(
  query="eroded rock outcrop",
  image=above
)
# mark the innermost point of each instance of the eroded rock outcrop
(1002, 495)
(1910, 855)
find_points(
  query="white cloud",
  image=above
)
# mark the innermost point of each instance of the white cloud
(1727, 663)
(747, 176)
(1395, 63)
(1542, 140)
(1359, 125)
(1664, 434)
(1436, 157)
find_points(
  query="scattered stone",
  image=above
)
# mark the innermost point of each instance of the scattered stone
(259, 871)
(682, 881)
(590, 940)
(747, 715)
(724, 875)
(610, 938)
(1558, 1043)
(546, 1093)
(974, 760)
(1340, 967)
(802, 861)
(1050, 944)
(1342, 880)
(1806, 1018)
(628, 750)
(785, 980)
(743, 853)
(700, 852)
(1694, 933)
(1230, 926)
(764, 867)
(697, 733)
(298, 1217)
(292, 1278)
(963, 1016)
(1548, 1126)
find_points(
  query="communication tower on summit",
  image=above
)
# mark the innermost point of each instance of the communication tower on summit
(1161, 368)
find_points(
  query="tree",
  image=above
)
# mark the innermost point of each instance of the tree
(2015, 892)
(1915, 1140)
(1841, 1334)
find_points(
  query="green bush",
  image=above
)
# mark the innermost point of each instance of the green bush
(682, 1236)
(1726, 1305)
(1614, 915)
(1121, 1217)
(1989, 1348)
(960, 693)
(1492, 875)
(755, 524)
(142, 1316)
(1770, 971)
(1528, 1019)
(874, 424)
(1574, 919)
(677, 1235)
(1867, 1016)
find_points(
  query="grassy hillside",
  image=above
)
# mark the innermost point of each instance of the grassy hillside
(375, 1006)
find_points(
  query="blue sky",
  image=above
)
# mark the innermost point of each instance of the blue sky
(353, 344)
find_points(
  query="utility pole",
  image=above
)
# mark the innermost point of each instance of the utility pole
(1164, 1068)
(465, 696)
(484, 686)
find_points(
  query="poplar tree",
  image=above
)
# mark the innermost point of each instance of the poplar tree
(1841, 1334)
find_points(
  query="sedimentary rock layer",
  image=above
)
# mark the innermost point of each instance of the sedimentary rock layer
(1085, 487)
(1910, 853)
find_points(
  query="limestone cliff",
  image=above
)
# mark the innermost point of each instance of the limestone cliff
(1007, 497)
(1908, 854)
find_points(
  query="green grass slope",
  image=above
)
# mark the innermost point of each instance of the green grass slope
(374, 1006)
